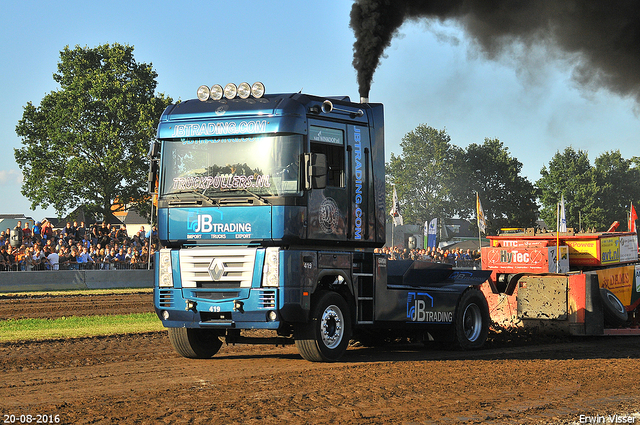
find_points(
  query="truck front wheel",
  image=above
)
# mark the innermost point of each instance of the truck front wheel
(195, 343)
(472, 320)
(326, 336)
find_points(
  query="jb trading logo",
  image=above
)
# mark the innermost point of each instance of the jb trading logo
(204, 224)
(420, 309)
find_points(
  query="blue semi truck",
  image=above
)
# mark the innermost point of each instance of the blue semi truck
(269, 210)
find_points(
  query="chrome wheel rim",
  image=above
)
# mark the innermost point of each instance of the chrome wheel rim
(331, 326)
(472, 322)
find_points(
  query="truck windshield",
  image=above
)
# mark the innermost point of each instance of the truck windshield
(262, 165)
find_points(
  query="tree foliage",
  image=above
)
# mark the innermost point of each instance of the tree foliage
(435, 178)
(425, 175)
(86, 143)
(617, 182)
(595, 196)
(508, 199)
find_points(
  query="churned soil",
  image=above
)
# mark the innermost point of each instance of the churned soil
(30, 306)
(138, 379)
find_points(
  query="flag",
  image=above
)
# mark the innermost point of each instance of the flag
(432, 233)
(395, 210)
(632, 219)
(482, 222)
(562, 220)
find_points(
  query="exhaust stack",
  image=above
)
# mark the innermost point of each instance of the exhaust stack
(364, 99)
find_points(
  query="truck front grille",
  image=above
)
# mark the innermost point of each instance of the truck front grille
(203, 267)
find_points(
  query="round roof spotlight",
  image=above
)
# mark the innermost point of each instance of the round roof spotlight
(244, 90)
(230, 91)
(216, 92)
(257, 90)
(203, 93)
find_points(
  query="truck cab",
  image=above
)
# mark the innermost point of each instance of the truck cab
(269, 208)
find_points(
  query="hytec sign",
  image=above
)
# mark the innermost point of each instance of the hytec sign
(530, 256)
(526, 259)
(516, 256)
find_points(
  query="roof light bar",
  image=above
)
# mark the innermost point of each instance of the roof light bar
(231, 91)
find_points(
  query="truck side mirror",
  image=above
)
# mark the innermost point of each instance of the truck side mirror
(316, 171)
(152, 177)
(153, 156)
(154, 149)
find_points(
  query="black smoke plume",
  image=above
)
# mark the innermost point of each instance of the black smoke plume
(600, 39)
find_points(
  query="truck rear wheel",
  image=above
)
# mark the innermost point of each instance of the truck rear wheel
(326, 337)
(195, 343)
(471, 320)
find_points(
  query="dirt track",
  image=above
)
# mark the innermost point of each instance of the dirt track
(139, 379)
(54, 306)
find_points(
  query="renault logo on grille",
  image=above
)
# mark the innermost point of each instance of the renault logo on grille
(216, 269)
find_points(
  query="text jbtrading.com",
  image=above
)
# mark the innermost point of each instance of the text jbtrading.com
(610, 419)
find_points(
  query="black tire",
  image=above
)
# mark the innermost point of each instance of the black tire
(471, 322)
(614, 312)
(195, 343)
(325, 337)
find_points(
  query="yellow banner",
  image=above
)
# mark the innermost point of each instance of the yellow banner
(610, 250)
(618, 280)
(583, 251)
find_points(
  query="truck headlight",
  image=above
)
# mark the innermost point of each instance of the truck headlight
(165, 275)
(271, 270)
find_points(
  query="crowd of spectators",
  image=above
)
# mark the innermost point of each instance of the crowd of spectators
(74, 247)
(106, 247)
(457, 257)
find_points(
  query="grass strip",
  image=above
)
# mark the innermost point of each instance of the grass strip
(77, 326)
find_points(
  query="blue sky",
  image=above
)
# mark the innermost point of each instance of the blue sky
(429, 75)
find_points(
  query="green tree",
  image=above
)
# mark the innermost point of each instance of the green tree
(435, 178)
(595, 196)
(617, 181)
(508, 199)
(86, 144)
(425, 175)
(571, 175)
